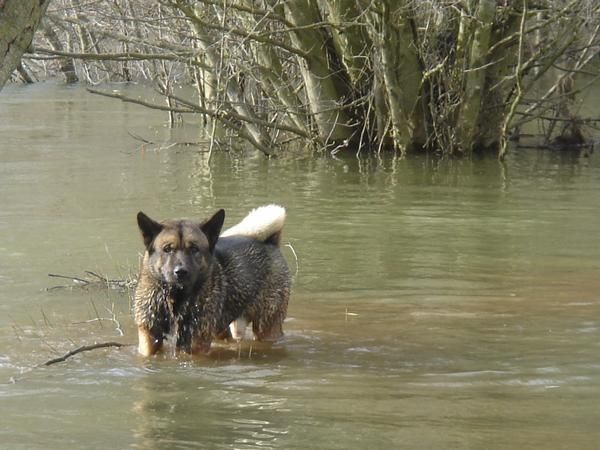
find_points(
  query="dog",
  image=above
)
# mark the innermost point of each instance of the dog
(197, 284)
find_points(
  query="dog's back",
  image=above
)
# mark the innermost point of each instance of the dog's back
(257, 285)
(258, 276)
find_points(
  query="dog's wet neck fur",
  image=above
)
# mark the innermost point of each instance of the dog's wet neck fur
(157, 295)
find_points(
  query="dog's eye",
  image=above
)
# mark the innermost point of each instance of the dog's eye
(168, 248)
(193, 248)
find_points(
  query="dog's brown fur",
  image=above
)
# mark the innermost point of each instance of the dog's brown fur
(193, 284)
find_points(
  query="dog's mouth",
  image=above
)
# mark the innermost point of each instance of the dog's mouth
(174, 284)
(180, 281)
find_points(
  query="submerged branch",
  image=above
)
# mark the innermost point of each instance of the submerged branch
(167, 144)
(150, 105)
(229, 117)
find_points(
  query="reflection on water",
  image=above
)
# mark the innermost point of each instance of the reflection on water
(233, 406)
(436, 304)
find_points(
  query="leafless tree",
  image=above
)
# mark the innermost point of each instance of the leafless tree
(18, 21)
(453, 76)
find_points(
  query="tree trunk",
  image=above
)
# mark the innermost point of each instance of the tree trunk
(350, 38)
(476, 75)
(324, 88)
(19, 20)
(274, 78)
(401, 75)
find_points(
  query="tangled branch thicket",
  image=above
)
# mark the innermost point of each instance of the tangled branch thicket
(454, 76)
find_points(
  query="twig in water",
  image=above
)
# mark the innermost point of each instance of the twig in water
(114, 319)
(75, 280)
(99, 319)
(83, 348)
(295, 256)
(97, 315)
(349, 314)
(95, 280)
(46, 321)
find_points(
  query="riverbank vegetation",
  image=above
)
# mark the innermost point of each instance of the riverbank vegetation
(343, 75)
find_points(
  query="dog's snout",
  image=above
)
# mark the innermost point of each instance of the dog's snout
(180, 272)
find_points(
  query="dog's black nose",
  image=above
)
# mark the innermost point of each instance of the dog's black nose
(180, 273)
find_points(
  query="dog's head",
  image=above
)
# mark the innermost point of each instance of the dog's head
(179, 252)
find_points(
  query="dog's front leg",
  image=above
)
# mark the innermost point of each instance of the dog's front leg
(147, 343)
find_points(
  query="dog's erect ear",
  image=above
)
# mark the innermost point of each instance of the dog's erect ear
(212, 228)
(148, 227)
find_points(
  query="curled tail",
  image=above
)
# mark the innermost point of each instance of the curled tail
(264, 223)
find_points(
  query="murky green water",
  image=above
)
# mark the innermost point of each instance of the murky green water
(435, 304)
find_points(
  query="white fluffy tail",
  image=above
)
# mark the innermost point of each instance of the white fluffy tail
(262, 223)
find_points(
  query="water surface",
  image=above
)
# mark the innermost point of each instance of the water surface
(436, 304)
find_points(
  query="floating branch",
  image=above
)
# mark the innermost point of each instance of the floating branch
(83, 348)
(94, 281)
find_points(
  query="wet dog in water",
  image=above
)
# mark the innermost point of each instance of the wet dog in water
(196, 284)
